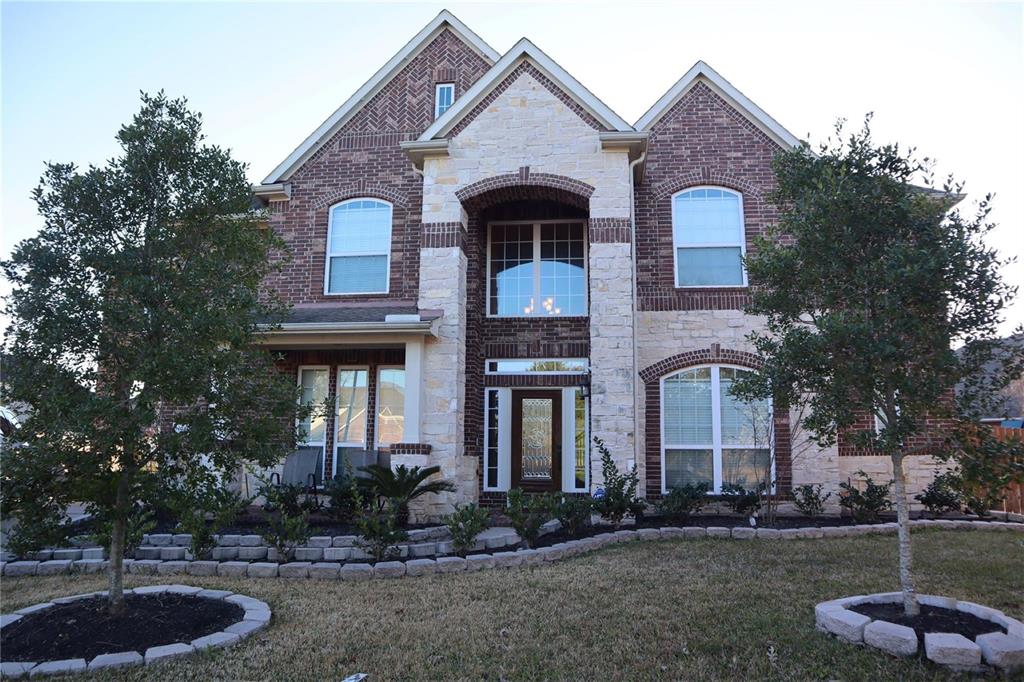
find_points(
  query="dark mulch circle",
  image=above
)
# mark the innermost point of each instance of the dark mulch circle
(84, 629)
(931, 619)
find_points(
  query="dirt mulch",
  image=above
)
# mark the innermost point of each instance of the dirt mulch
(931, 619)
(84, 628)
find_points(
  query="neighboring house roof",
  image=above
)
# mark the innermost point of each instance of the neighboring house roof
(701, 72)
(445, 20)
(522, 51)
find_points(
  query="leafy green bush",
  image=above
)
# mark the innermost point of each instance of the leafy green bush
(682, 501)
(573, 512)
(285, 532)
(528, 513)
(464, 524)
(140, 520)
(942, 494)
(808, 499)
(617, 497)
(401, 485)
(291, 498)
(38, 526)
(342, 503)
(867, 504)
(380, 531)
(742, 501)
(222, 508)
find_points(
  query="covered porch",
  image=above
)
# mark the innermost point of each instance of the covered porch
(361, 370)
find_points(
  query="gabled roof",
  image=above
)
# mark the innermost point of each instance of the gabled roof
(444, 20)
(701, 72)
(522, 51)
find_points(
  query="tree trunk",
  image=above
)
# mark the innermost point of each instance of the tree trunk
(118, 530)
(910, 605)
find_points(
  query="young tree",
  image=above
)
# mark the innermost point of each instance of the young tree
(866, 283)
(133, 320)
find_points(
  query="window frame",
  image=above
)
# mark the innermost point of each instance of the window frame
(437, 101)
(742, 242)
(716, 427)
(298, 382)
(536, 271)
(499, 372)
(337, 413)
(376, 407)
(328, 254)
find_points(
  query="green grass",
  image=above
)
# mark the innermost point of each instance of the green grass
(695, 610)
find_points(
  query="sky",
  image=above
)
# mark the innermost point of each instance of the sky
(946, 78)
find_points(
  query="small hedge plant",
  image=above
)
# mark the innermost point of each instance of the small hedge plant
(573, 512)
(617, 497)
(682, 501)
(742, 501)
(465, 524)
(943, 494)
(867, 504)
(528, 513)
(809, 501)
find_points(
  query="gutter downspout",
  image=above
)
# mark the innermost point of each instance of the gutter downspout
(636, 358)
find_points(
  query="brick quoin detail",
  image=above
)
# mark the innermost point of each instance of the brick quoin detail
(409, 449)
(715, 355)
(702, 140)
(524, 186)
(525, 68)
(443, 235)
(609, 230)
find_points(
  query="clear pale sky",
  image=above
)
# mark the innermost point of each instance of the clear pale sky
(947, 78)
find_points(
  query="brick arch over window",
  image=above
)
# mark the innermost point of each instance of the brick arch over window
(715, 355)
(705, 176)
(524, 185)
(361, 189)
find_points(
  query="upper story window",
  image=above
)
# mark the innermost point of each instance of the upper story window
(537, 269)
(444, 97)
(358, 247)
(708, 238)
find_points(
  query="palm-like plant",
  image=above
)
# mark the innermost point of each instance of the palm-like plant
(402, 485)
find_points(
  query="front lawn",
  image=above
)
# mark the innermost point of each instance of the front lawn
(707, 609)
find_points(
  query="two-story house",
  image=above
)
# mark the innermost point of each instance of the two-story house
(490, 267)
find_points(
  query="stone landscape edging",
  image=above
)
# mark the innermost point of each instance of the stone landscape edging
(1001, 651)
(327, 570)
(256, 617)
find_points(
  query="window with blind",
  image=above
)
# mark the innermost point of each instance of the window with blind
(710, 436)
(358, 247)
(708, 238)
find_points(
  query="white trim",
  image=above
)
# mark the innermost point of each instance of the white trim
(437, 97)
(536, 270)
(413, 389)
(715, 445)
(742, 242)
(298, 382)
(522, 51)
(488, 371)
(504, 439)
(376, 406)
(444, 20)
(487, 440)
(701, 72)
(328, 254)
(337, 413)
(569, 441)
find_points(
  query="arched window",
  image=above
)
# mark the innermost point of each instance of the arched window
(708, 238)
(709, 436)
(358, 247)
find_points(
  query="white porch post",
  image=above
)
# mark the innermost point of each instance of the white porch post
(413, 389)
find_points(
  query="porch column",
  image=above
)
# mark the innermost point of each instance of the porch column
(413, 390)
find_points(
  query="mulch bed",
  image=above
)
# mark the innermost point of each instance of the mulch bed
(84, 629)
(931, 619)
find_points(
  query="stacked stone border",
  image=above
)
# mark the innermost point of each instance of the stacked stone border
(256, 617)
(352, 571)
(1003, 651)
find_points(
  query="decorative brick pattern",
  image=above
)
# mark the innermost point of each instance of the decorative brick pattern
(610, 230)
(702, 140)
(522, 186)
(409, 449)
(525, 68)
(443, 236)
(713, 355)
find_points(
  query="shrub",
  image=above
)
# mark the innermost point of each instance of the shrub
(867, 504)
(464, 524)
(140, 520)
(402, 485)
(285, 532)
(342, 503)
(617, 497)
(808, 499)
(942, 494)
(223, 508)
(682, 501)
(573, 512)
(288, 497)
(527, 513)
(379, 530)
(742, 501)
(38, 526)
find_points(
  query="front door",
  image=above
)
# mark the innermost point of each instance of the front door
(536, 440)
